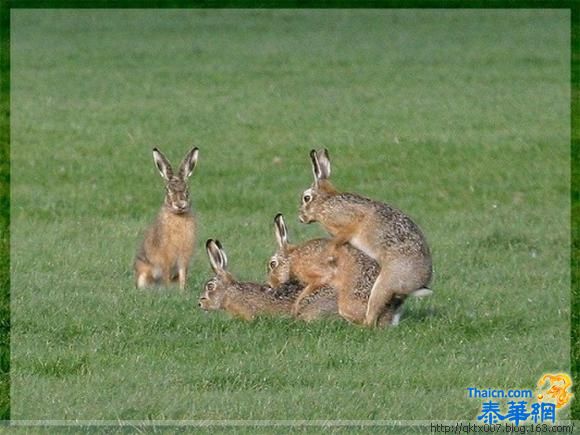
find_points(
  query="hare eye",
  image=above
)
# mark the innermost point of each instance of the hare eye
(306, 198)
(273, 264)
(210, 286)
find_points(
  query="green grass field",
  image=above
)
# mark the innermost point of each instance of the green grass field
(460, 118)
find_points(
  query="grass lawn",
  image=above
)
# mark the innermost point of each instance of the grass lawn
(460, 118)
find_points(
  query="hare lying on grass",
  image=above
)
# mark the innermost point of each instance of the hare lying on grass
(248, 300)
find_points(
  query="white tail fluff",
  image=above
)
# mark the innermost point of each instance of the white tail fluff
(397, 316)
(421, 293)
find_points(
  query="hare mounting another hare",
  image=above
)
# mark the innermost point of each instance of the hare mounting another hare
(382, 232)
(317, 263)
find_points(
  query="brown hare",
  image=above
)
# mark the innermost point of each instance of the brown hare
(347, 269)
(382, 232)
(310, 263)
(248, 300)
(165, 253)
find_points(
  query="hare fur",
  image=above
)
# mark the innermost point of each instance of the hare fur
(165, 253)
(346, 269)
(382, 232)
(248, 300)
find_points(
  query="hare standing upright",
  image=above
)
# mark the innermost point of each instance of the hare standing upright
(382, 232)
(167, 248)
(248, 300)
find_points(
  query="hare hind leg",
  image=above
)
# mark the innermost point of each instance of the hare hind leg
(351, 308)
(387, 285)
(143, 274)
(392, 313)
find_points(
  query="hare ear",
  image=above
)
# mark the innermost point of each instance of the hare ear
(223, 256)
(324, 163)
(162, 164)
(315, 166)
(281, 231)
(215, 260)
(188, 164)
